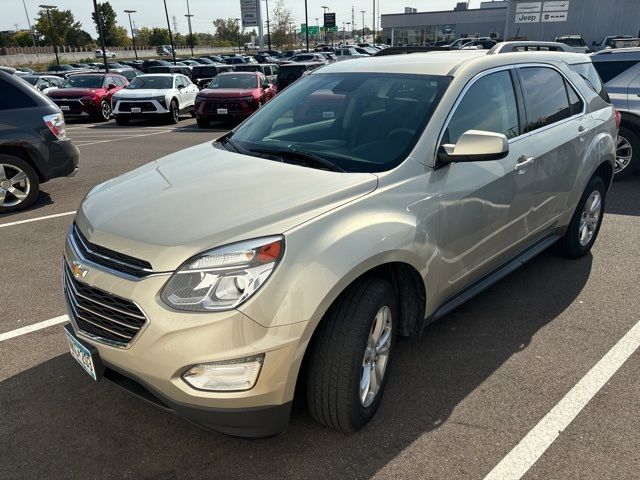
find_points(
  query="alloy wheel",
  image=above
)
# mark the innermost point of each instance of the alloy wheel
(105, 109)
(376, 356)
(14, 185)
(624, 154)
(590, 218)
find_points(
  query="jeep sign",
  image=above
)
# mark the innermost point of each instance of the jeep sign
(528, 17)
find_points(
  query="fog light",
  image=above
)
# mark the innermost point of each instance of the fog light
(228, 375)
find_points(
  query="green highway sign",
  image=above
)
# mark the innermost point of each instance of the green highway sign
(313, 30)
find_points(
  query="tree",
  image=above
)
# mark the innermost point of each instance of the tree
(66, 30)
(22, 39)
(227, 30)
(80, 38)
(280, 30)
(143, 36)
(114, 36)
(159, 36)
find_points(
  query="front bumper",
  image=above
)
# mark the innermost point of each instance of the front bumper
(171, 342)
(77, 108)
(208, 109)
(148, 108)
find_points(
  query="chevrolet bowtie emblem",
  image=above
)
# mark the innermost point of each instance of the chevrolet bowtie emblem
(78, 270)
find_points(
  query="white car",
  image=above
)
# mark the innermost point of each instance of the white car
(109, 53)
(44, 83)
(150, 95)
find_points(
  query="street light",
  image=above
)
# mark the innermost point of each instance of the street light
(268, 26)
(373, 25)
(293, 35)
(306, 22)
(188, 15)
(324, 11)
(238, 20)
(349, 25)
(133, 36)
(173, 50)
(363, 12)
(53, 39)
(317, 31)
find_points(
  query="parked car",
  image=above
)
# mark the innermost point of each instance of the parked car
(215, 58)
(286, 55)
(620, 72)
(128, 73)
(202, 60)
(285, 258)
(34, 147)
(88, 95)
(233, 96)
(83, 66)
(265, 58)
(237, 60)
(290, 72)
(63, 70)
(479, 44)
(135, 64)
(347, 53)
(250, 47)
(155, 96)
(28, 70)
(109, 54)
(330, 57)
(271, 53)
(576, 42)
(203, 74)
(615, 41)
(309, 57)
(153, 63)
(181, 69)
(270, 71)
(44, 83)
(113, 66)
(164, 50)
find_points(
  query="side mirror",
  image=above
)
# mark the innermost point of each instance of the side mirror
(180, 87)
(42, 87)
(111, 86)
(265, 85)
(475, 146)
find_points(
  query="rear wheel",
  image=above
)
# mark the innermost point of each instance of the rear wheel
(105, 111)
(350, 355)
(193, 112)
(585, 224)
(627, 153)
(19, 184)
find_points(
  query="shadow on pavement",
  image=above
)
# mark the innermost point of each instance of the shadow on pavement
(56, 422)
(43, 200)
(624, 196)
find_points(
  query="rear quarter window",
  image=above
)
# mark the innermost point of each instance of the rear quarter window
(13, 97)
(610, 70)
(589, 73)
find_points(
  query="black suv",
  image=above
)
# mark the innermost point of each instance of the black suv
(290, 72)
(203, 74)
(34, 147)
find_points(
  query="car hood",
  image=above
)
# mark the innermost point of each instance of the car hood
(227, 92)
(142, 93)
(74, 92)
(194, 200)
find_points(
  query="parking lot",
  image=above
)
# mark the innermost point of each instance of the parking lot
(513, 365)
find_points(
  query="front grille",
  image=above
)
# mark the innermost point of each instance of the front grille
(143, 106)
(233, 106)
(100, 314)
(75, 106)
(116, 261)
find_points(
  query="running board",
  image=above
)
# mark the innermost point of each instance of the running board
(480, 285)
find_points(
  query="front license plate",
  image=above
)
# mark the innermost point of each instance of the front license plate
(223, 111)
(82, 355)
(135, 110)
(64, 108)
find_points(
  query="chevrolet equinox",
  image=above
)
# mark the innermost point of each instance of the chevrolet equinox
(297, 247)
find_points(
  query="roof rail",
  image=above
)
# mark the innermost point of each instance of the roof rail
(403, 50)
(529, 46)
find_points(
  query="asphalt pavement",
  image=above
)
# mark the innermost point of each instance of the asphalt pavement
(459, 399)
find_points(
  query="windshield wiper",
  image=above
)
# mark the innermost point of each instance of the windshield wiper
(291, 153)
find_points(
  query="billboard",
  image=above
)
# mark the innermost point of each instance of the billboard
(249, 12)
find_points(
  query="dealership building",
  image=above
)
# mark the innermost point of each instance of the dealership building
(503, 19)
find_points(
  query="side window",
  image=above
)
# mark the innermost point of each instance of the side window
(545, 95)
(267, 70)
(13, 97)
(610, 70)
(108, 80)
(119, 81)
(274, 70)
(489, 105)
(178, 81)
(589, 73)
(575, 104)
(186, 81)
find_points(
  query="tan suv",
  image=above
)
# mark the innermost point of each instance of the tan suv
(370, 198)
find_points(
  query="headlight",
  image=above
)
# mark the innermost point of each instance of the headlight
(247, 99)
(160, 98)
(225, 277)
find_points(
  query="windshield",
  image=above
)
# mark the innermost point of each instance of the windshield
(361, 122)
(234, 81)
(148, 82)
(31, 80)
(83, 81)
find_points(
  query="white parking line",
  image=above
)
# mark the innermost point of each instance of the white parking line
(119, 139)
(32, 328)
(519, 460)
(29, 220)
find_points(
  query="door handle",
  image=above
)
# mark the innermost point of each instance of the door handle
(523, 163)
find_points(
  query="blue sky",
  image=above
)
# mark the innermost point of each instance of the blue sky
(151, 12)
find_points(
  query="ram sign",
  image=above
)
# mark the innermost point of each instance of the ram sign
(249, 12)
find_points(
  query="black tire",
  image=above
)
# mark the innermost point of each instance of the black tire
(122, 121)
(633, 143)
(337, 353)
(202, 123)
(569, 245)
(105, 111)
(193, 113)
(174, 113)
(12, 162)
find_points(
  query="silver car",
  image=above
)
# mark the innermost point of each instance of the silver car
(367, 200)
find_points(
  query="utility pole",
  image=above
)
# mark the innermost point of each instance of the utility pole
(33, 35)
(373, 25)
(363, 12)
(268, 27)
(238, 20)
(133, 36)
(173, 50)
(324, 11)
(306, 22)
(53, 37)
(188, 15)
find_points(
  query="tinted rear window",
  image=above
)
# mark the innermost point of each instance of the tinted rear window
(610, 70)
(546, 96)
(287, 70)
(13, 97)
(248, 67)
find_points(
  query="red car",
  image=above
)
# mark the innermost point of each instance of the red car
(88, 94)
(232, 96)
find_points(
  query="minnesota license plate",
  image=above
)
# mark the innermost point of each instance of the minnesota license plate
(64, 108)
(223, 111)
(82, 355)
(136, 109)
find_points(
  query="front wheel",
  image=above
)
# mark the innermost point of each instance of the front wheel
(174, 112)
(105, 111)
(202, 123)
(627, 153)
(585, 224)
(350, 355)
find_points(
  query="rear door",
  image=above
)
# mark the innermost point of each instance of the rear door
(561, 133)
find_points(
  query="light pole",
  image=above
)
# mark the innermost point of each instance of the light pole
(373, 25)
(363, 12)
(343, 32)
(293, 35)
(53, 39)
(133, 36)
(268, 27)
(306, 22)
(317, 31)
(349, 25)
(238, 20)
(188, 15)
(324, 11)
(173, 50)
(33, 35)
(99, 23)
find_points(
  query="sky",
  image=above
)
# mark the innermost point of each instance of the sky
(151, 12)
